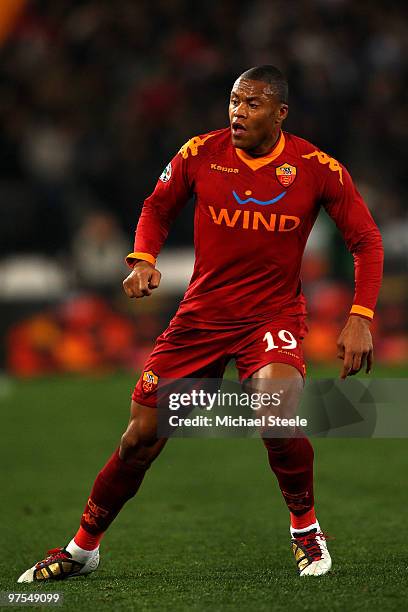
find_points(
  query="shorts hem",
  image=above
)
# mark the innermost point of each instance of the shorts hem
(145, 402)
(299, 368)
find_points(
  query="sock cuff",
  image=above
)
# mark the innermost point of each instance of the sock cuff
(84, 541)
(314, 525)
(303, 522)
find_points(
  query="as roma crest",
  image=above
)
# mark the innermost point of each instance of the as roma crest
(286, 174)
(149, 381)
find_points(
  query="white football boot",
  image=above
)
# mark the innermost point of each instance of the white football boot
(310, 550)
(61, 564)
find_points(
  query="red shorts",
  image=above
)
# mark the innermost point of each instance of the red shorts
(185, 352)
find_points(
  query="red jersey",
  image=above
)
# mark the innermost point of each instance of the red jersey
(252, 220)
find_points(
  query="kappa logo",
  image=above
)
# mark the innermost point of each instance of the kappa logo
(255, 201)
(286, 174)
(192, 145)
(224, 169)
(149, 381)
(323, 158)
(166, 174)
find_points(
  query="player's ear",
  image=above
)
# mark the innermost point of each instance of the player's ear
(283, 112)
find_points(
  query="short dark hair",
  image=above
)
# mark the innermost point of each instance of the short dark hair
(271, 75)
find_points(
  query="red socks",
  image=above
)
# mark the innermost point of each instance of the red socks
(86, 540)
(115, 484)
(291, 459)
(303, 521)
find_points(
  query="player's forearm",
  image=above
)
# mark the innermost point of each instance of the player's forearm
(150, 235)
(171, 193)
(368, 270)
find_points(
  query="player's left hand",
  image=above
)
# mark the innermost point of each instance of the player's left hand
(355, 346)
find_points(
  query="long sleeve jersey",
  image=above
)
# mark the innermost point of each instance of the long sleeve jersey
(253, 217)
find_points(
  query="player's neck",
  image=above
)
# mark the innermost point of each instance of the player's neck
(266, 147)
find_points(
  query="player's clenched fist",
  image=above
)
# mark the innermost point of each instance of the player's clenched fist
(142, 280)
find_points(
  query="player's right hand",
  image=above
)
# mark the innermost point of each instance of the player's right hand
(142, 280)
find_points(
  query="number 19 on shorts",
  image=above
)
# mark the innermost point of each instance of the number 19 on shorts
(288, 340)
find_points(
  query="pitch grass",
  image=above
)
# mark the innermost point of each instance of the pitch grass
(208, 530)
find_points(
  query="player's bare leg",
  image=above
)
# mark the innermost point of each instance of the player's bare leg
(117, 482)
(291, 459)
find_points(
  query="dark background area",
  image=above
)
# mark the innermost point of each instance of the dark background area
(97, 96)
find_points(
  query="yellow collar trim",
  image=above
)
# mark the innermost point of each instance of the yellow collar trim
(258, 162)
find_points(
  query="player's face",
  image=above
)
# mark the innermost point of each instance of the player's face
(256, 116)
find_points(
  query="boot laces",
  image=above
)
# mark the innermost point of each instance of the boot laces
(310, 545)
(55, 554)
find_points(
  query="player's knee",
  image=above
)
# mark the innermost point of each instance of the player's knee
(139, 443)
(136, 454)
(136, 437)
(283, 447)
(276, 444)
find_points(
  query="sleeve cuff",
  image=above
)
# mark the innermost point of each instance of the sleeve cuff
(139, 256)
(362, 311)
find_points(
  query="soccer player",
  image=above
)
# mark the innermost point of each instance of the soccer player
(258, 191)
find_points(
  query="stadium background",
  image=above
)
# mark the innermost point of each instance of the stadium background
(95, 98)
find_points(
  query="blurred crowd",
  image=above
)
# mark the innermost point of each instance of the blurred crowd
(96, 96)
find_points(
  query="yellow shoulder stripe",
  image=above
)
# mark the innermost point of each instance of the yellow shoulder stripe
(362, 310)
(323, 158)
(192, 145)
(139, 256)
